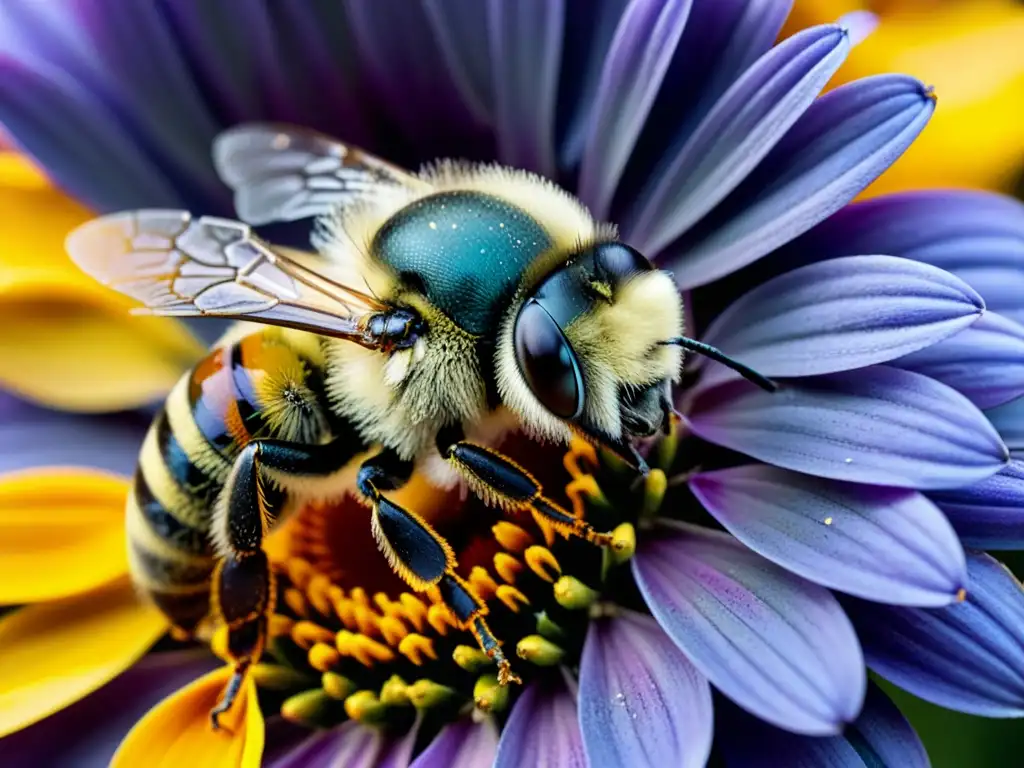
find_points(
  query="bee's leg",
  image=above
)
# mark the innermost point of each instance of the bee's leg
(499, 481)
(420, 556)
(243, 584)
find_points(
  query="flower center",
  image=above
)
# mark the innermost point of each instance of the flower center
(348, 640)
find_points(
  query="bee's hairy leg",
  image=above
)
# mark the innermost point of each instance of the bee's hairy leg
(502, 483)
(420, 556)
(243, 583)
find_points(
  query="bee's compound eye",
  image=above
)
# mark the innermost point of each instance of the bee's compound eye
(619, 261)
(548, 362)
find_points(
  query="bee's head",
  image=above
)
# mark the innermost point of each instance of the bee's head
(594, 347)
(583, 352)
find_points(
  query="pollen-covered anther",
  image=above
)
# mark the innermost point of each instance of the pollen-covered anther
(623, 545)
(296, 602)
(471, 658)
(425, 694)
(299, 572)
(364, 707)
(507, 567)
(367, 621)
(580, 459)
(307, 633)
(276, 677)
(489, 695)
(512, 597)
(542, 562)
(415, 610)
(655, 485)
(440, 619)
(482, 582)
(395, 692)
(362, 648)
(317, 593)
(323, 657)
(280, 625)
(511, 536)
(337, 686)
(417, 648)
(573, 594)
(392, 630)
(310, 708)
(584, 489)
(540, 651)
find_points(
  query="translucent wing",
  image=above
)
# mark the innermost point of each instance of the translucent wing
(283, 173)
(177, 265)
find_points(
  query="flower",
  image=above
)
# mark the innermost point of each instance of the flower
(712, 151)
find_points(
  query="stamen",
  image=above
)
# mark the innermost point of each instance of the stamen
(507, 567)
(306, 634)
(441, 619)
(471, 658)
(364, 707)
(542, 562)
(426, 693)
(482, 583)
(417, 649)
(489, 695)
(336, 686)
(512, 537)
(323, 658)
(511, 597)
(540, 651)
(395, 692)
(573, 594)
(310, 708)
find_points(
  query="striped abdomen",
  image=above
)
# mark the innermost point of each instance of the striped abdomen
(266, 385)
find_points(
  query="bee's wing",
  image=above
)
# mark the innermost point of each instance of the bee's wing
(284, 173)
(177, 265)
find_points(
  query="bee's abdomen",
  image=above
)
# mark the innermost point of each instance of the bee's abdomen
(259, 387)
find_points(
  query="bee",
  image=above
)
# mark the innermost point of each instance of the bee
(442, 309)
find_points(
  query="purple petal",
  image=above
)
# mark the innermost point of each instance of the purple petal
(722, 39)
(641, 700)
(968, 656)
(883, 544)
(98, 162)
(406, 69)
(33, 437)
(880, 737)
(1008, 420)
(351, 744)
(462, 744)
(460, 27)
(841, 314)
(988, 514)
(585, 47)
(978, 236)
(748, 120)
(777, 645)
(839, 146)
(876, 425)
(542, 731)
(644, 45)
(985, 361)
(526, 49)
(89, 731)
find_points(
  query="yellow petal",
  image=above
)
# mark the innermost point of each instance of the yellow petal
(53, 654)
(68, 341)
(177, 732)
(61, 533)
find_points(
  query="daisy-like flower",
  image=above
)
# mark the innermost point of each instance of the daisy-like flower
(782, 539)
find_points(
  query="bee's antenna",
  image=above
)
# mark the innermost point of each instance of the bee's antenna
(720, 357)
